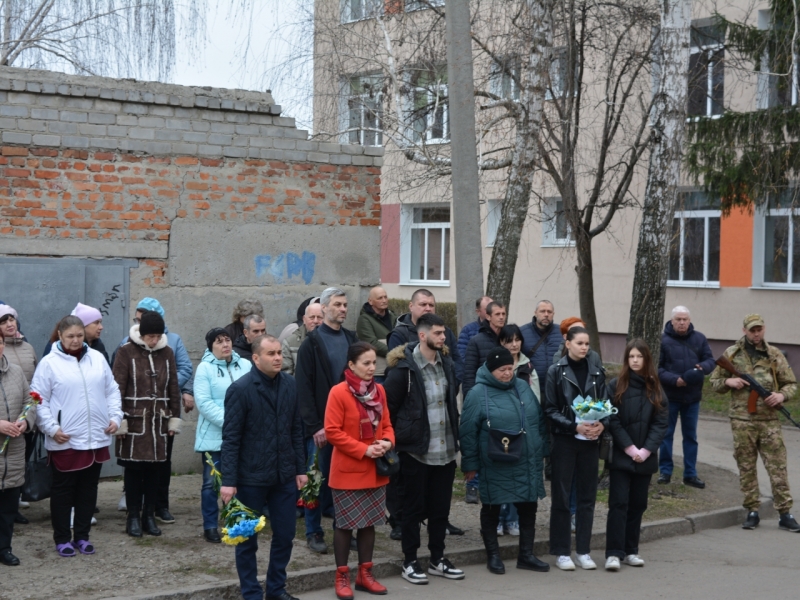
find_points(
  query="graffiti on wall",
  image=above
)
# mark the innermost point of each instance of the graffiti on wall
(288, 267)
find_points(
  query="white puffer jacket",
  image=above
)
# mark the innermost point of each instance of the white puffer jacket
(80, 397)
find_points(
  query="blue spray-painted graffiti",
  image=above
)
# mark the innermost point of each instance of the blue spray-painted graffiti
(288, 266)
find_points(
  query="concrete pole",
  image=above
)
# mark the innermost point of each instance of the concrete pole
(466, 234)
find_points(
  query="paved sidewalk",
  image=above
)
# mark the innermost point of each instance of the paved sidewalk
(716, 449)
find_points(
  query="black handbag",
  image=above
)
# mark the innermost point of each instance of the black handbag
(38, 477)
(606, 446)
(388, 464)
(504, 445)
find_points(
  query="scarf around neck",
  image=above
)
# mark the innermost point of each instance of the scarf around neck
(370, 407)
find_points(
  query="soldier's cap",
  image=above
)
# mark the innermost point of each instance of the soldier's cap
(753, 320)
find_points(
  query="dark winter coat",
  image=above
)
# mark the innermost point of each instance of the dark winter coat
(562, 388)
(312, 371)
(503, 482)
(405, 332)
(373, 329)
(407, 401)
(544, 354)
(151, 405)
(243, 348)
(638, 423)
(680, 353)
(478, 349)
(262, 435)
(469, 331)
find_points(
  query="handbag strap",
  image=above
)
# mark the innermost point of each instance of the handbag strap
(542, 339)
(523, 424)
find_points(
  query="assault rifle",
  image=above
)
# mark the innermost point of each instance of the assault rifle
(756, 389)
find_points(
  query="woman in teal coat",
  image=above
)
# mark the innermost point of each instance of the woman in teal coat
(218, 369)
(508, 447)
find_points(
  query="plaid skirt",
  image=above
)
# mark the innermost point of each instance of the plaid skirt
(358, 509)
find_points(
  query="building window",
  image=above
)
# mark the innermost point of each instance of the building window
(694, 251)
(412, 5)
(555, 230)
(356, 10)
(430, 117)
(426, 244)
(504, 78)
(782, 241)
(559, 73)
(706, 71)
(493, 210)
(365, 111)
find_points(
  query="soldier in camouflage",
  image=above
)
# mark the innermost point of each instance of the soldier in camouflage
(759, 432)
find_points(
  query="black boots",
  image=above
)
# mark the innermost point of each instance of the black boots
(149, 522)
(752, 520)
(526, 559)
(493, 560)
(133, 526)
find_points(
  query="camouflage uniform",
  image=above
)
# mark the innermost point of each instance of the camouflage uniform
(758, 433)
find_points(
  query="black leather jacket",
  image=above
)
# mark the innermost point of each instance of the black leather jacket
(562, 388)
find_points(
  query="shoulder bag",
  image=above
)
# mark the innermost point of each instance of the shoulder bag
(504, 445)
(38, 477)
(388, 464)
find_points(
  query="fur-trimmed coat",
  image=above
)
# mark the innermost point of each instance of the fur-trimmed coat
(151, 400)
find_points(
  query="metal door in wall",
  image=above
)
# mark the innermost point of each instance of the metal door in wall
(43, 290)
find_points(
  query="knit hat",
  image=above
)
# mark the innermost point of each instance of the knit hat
(5, 309)
(87, 314)
(499, 357)
(753, 320)
(569, 322)
(150, 304)
(213, 334)
(151, 323)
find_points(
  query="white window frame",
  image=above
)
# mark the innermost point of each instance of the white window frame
(759, 243)
(368, 9)
(441, 99)
(558, 81)
(550, 225)
(710, 49)
(695, 214)
(378, 99)
(493, 210)
(500, 78)
(415, 5)
(407, 225)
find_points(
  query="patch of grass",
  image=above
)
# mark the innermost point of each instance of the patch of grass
(146, 542)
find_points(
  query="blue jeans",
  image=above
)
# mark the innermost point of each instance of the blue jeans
(689, 414)
(474, 483)
(281, 500)
(209, 505)
(314, 516)
(508, 514)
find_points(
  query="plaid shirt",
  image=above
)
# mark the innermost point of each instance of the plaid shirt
(442, 447)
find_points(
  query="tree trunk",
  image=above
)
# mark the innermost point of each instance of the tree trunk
(663, 177)
(585, 272)
(514, 211)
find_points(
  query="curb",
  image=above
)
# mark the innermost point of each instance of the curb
(322, 577)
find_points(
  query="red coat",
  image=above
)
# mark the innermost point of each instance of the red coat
(351, 469)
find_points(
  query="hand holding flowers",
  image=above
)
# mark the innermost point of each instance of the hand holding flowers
(241, 522)
(587, 414)
(18, 428)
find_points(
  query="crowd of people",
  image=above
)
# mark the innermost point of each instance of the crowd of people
(385, 412)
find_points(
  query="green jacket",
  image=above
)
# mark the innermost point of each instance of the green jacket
(372, 329)
(521, 481)
(773, 372)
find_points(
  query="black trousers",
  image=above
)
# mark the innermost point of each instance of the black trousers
(427, 493)
(142, 480)
(490, 516)
(627, 501)
(394, 500)
(164, 475)
(581, 457)
(9, 505)
(78, 489)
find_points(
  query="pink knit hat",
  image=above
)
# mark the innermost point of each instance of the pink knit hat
(87, 314)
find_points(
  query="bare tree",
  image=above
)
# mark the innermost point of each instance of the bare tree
(663, 178)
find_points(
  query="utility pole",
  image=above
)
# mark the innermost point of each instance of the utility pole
(466, 234)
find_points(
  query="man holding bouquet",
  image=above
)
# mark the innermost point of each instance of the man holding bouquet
(263, 462)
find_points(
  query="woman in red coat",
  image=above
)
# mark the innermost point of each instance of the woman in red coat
(357, 425)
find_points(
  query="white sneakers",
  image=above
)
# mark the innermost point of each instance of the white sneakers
(584, 560)
(612, 563)
(513, 527)
(23, 504)
(634, 560)
(500, 529)
(565, 563)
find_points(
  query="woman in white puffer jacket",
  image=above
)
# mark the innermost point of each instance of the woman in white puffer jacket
(80, 411)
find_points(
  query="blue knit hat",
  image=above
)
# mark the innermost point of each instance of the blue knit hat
(150, 304)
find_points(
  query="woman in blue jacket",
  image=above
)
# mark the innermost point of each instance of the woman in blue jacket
(220, 367)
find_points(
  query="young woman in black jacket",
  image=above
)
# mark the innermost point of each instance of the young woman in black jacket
(638, 428)
(578, 373)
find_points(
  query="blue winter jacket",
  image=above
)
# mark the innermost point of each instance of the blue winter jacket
(212, 380)
(469, 331)
(679, 353)
(543, 358)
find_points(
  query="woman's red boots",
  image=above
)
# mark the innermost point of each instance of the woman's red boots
(365, 581)
(343, 589)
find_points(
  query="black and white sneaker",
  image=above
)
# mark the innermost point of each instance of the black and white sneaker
(413, 573)
(444, 568)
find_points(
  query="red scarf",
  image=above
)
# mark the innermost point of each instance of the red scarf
(369, 402)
